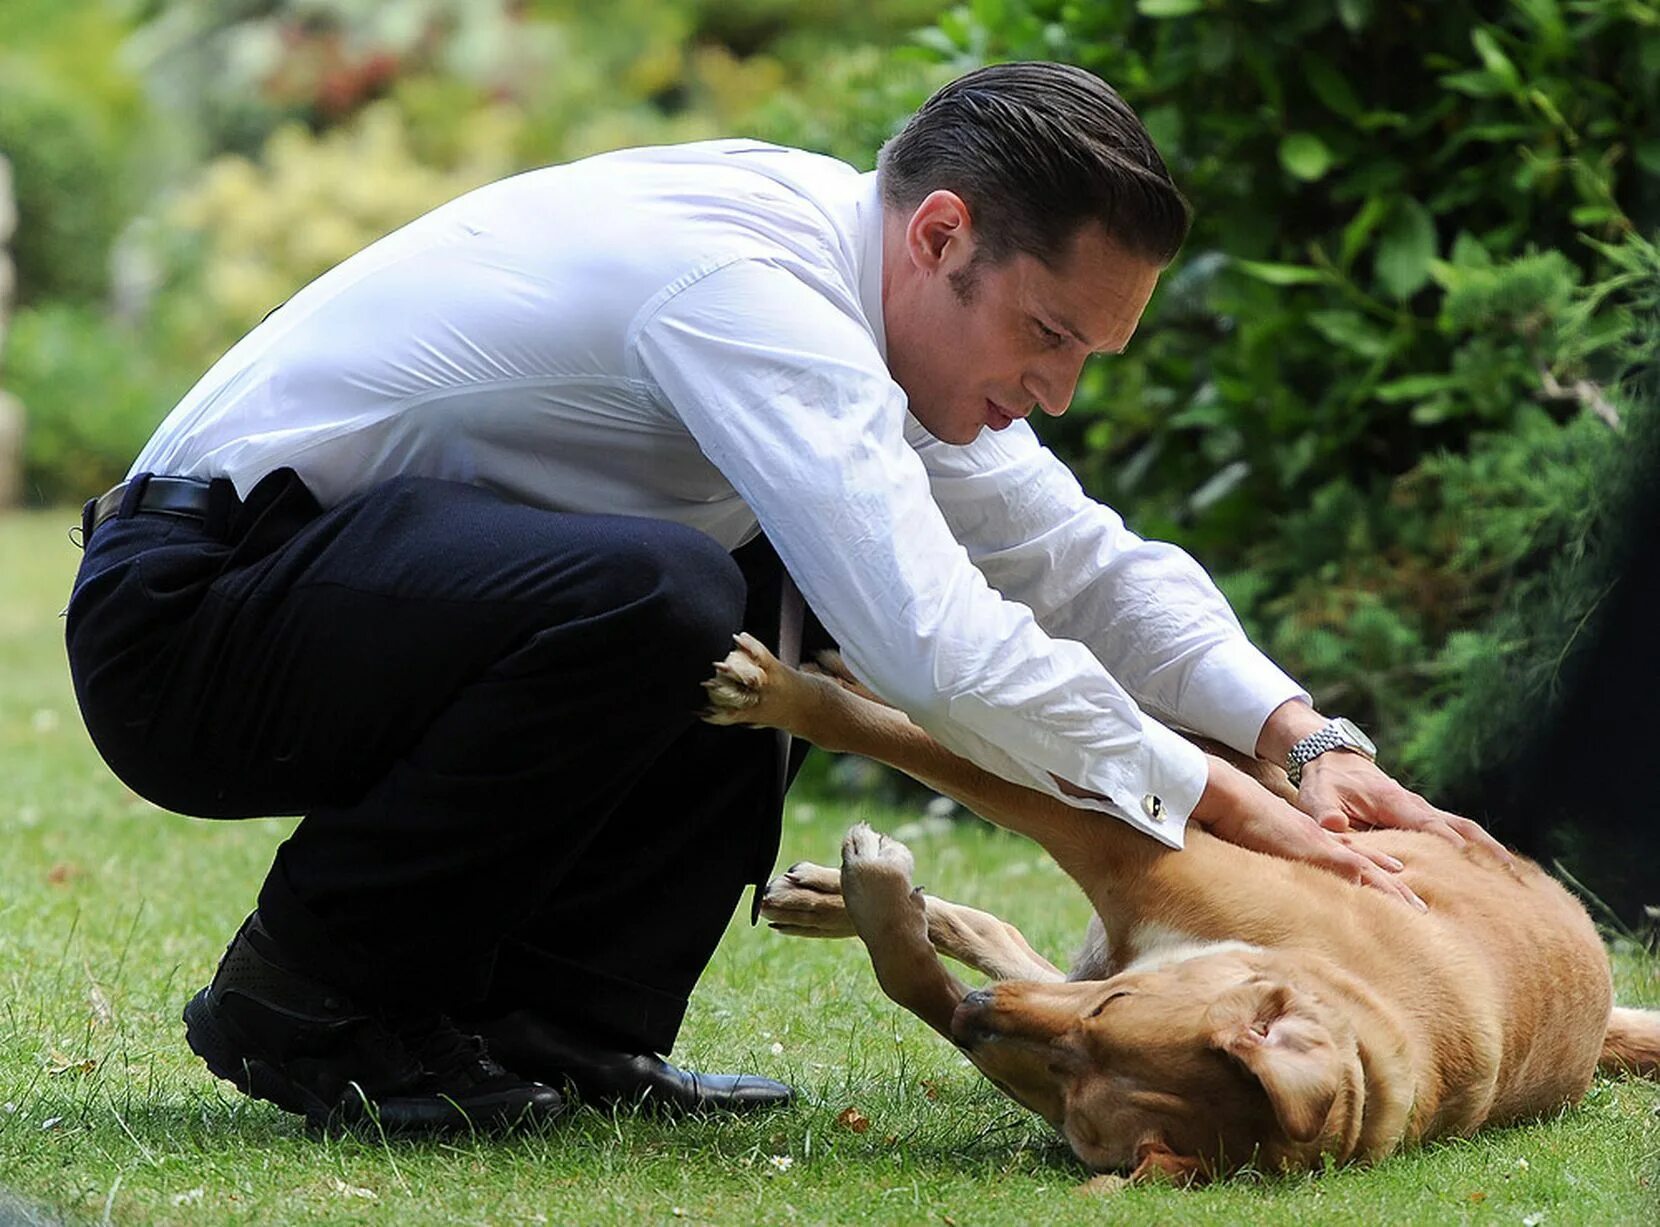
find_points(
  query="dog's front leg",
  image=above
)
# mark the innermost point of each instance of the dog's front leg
(752, 687)
(891, 919)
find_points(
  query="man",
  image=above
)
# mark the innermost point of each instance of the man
(439, 554)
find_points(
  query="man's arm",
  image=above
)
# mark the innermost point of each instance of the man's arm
(1163, 628)
(783, 388)
(1146, 609)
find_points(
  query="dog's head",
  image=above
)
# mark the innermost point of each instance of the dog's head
(1185, 1072)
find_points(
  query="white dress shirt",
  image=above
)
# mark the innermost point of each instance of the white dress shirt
(695, 333)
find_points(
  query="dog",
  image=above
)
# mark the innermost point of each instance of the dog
(1228, 1008)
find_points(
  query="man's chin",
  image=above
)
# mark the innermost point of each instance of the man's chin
(956, 435)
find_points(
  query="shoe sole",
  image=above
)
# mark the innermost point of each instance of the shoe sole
(222, 1049)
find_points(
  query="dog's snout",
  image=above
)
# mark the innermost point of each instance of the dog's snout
(968, 1022)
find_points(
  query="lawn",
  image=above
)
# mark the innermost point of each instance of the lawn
(112, 913)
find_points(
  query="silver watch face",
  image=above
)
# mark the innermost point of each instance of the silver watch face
(1353, 737)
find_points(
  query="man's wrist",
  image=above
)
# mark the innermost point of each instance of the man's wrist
(1286, 725)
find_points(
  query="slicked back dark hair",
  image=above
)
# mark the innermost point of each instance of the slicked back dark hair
(1036, 150)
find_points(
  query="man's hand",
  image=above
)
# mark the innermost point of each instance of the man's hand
(1346, 792)
(1236, 808)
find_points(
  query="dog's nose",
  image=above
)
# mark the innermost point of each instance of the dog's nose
(967, 1020)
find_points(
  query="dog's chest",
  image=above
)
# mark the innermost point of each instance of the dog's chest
(1152, 946)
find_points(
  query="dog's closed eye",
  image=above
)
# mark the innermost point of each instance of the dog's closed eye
(1108, 1000)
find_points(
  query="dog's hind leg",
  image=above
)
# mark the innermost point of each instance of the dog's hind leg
(1632, 1043)
(806, 901)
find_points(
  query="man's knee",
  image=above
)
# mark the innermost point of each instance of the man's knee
(686, 594)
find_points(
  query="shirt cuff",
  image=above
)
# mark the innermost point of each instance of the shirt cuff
(1159, 793)
(1231, 693)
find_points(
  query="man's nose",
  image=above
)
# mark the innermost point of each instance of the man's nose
(1052, 385)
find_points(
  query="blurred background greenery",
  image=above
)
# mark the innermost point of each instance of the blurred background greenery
(1398, 393)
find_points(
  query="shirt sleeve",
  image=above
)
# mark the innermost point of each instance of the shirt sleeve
(1148, 611)
(783, 388)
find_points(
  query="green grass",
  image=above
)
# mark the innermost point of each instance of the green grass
(112, 913)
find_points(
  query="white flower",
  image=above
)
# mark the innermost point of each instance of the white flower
(1534, 1219)
(189, 1197)
(777, 1049)
(781, 1163)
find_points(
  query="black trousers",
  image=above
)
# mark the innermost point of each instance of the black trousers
(486, 713)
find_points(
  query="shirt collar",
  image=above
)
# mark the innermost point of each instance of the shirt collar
(870, 260)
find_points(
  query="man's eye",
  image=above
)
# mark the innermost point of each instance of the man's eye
(1049, 335)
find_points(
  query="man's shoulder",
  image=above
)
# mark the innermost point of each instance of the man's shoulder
(743, 152)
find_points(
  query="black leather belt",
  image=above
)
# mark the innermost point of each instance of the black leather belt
(186, 497)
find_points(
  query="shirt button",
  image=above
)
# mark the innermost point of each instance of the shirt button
(1153, 807)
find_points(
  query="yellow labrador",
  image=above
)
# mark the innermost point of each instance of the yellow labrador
(1228, 1007)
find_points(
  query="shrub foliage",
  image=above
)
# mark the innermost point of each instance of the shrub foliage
(1392, 393)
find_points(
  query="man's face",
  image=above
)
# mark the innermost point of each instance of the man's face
(981, 344)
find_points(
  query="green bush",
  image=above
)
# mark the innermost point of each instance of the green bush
(1370, 392)
(1393, 607)
(71, 203)
(1556, 514)
(92, 393)
(1335, 152)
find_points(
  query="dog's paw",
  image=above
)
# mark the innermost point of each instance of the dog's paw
(806, 901)
(806, 876)
(740, 683)
(875, 857)
(876, 884)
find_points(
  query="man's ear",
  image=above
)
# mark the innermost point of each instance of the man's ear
(940, 233)
(1156, 1161)
(1273, 1031)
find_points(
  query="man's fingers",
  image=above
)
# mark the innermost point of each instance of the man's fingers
(1458, 830)
(1473, 832)
(1358, 866)
(1435, 827)
(1334, 820)
(1377, 856)
(1371, 875)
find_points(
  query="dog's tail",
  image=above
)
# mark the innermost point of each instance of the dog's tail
(1632, 1043)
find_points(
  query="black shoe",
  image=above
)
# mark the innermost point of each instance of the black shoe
(282, 1036)
(528, 1042)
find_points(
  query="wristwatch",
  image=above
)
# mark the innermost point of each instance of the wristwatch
(1338, 734)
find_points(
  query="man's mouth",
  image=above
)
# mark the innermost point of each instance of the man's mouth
(996, 418)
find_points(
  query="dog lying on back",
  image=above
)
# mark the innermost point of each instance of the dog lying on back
(1228, 1007)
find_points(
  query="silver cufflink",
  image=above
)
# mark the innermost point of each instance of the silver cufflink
(1153, 807)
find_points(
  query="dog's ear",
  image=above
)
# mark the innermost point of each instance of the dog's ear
(1156, 1161)
(1274, 1032)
